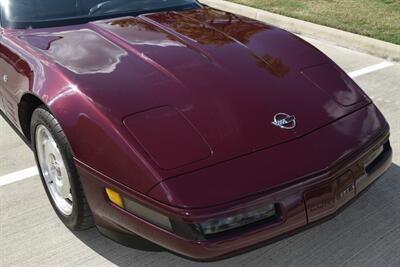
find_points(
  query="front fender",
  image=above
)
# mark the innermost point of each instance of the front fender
(96, 139)
(100, 141)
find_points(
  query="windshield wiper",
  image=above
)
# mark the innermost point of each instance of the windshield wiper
(113, 4)
(98, 7)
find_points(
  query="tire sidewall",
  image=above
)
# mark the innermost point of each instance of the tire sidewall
(43, 117)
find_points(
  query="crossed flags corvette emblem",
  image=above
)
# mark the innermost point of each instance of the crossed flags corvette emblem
(284, 121)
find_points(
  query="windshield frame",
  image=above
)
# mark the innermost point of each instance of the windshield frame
(5, 24)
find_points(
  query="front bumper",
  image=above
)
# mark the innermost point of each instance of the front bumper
(300, 204)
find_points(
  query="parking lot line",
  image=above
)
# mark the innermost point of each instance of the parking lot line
(370, 69)
(18, 176)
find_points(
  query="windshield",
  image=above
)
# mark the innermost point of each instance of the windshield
(50, 13)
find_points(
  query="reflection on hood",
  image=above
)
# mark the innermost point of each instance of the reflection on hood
(82, 52)
(138, 33)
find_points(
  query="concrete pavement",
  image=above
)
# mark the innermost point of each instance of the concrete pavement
(366, 233)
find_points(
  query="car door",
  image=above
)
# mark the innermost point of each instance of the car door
(13, 80)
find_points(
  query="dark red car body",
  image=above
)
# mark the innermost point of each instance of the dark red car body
(175, 110)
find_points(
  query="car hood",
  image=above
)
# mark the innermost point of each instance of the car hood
(213, 80)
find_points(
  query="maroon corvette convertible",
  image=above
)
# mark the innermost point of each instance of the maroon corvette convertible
(202, 131)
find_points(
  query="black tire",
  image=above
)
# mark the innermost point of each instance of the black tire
(81, 217)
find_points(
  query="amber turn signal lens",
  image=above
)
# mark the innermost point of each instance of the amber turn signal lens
(115, 197)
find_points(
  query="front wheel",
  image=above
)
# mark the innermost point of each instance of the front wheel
(58, 172)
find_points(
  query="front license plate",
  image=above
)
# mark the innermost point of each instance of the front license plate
(327, 198)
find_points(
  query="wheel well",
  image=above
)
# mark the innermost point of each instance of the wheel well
(26, 107)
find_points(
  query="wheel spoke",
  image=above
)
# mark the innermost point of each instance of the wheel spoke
(54, 170)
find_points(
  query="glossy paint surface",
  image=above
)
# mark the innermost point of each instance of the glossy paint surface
(176, 109)
(145, 127)
(227, 75)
